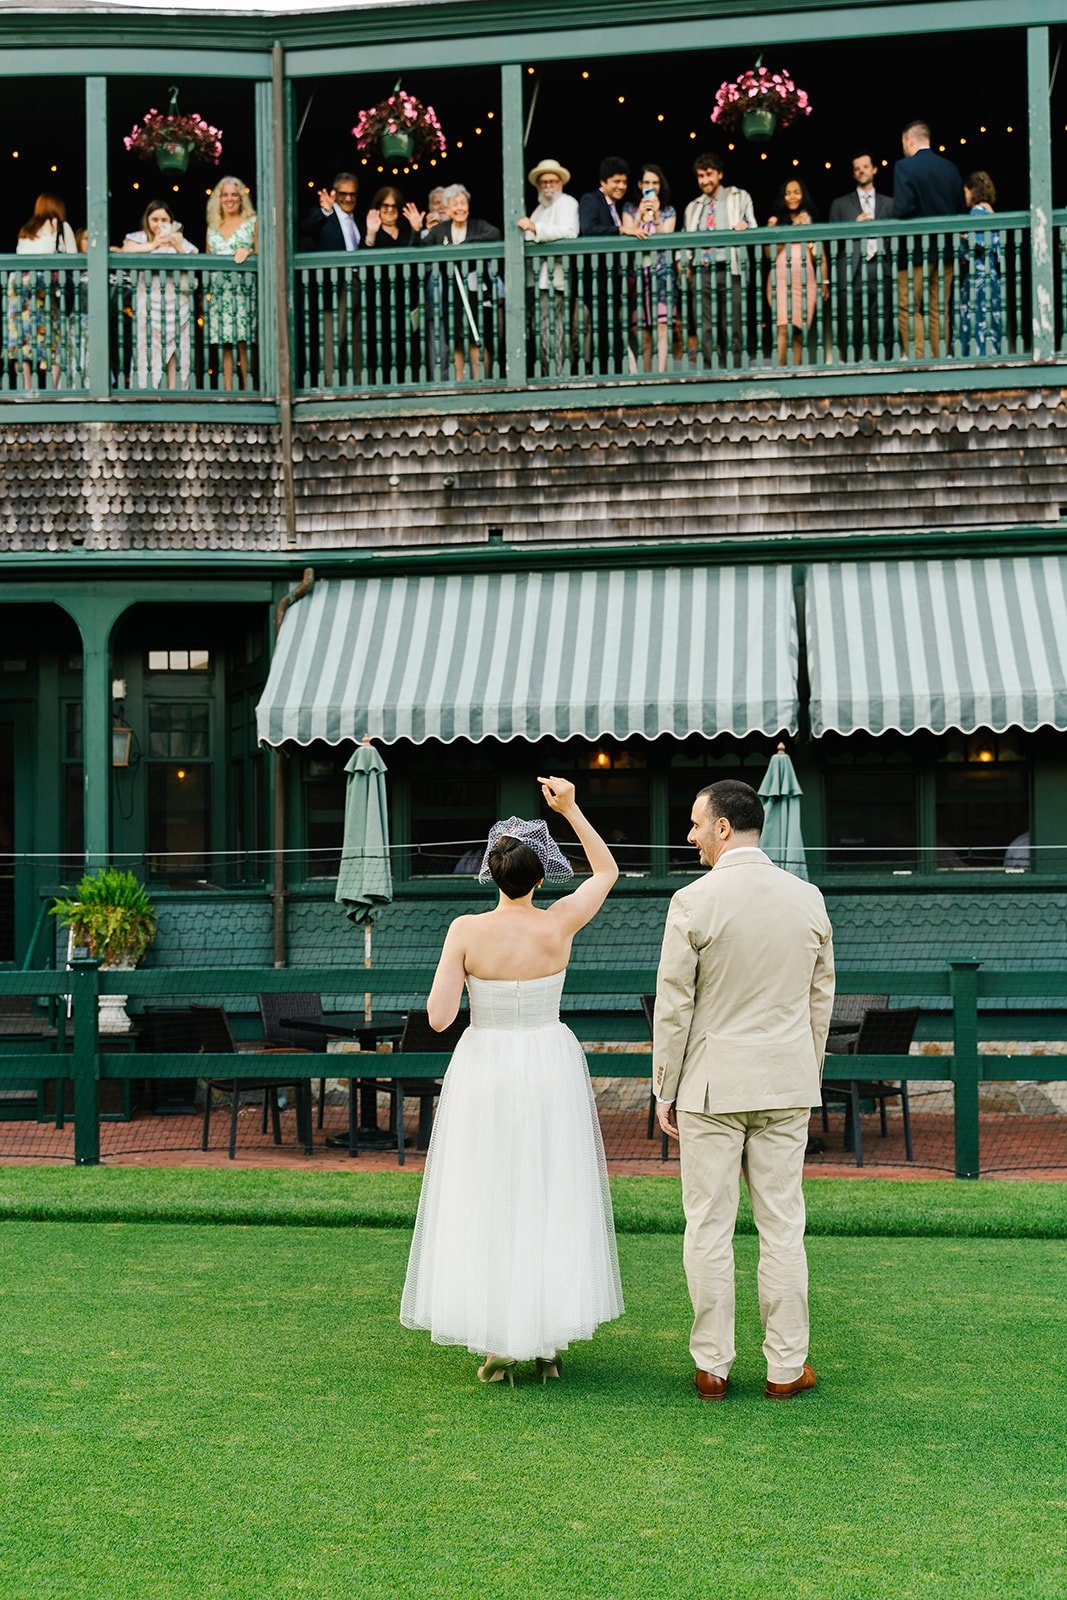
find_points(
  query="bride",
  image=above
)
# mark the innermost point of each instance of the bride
(514, 1245)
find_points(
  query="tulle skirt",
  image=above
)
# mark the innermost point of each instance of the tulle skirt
(514, 1245)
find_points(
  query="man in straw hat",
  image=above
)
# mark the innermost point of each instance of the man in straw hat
(555, 216)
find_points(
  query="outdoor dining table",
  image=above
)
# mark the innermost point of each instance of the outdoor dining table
(368, 1031)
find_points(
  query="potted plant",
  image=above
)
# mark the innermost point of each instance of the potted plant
(759, 101)
(111, 916)
(173, 138)
(401, 126)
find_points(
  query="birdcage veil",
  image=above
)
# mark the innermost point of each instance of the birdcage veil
(554, 863)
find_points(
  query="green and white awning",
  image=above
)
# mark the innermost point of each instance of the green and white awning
(938, 644)
(533, 655)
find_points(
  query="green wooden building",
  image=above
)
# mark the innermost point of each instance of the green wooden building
(510, 507)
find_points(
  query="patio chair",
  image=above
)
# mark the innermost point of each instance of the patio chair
(419, 1036)
(272, 1007)
(848, 1013)
(648, 1006)
(881, 1033)
(213, 1036)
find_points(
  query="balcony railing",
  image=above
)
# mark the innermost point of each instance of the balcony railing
(764, 305)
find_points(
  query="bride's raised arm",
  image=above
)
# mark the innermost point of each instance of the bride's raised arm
(575, 910)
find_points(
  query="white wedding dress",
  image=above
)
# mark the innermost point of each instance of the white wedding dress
(514, 1246)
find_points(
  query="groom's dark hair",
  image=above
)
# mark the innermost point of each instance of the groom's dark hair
(515, 868)
(737, 802)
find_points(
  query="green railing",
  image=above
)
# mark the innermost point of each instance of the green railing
(83, 1057)
(765, 305)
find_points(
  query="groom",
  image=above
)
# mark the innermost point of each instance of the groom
(743, 1001)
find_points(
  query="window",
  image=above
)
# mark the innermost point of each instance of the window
(179, 660)
(179, 788)
(324, 814)
(982, 802)
(871, 789)
(692, 768)
(451, 815)
(72, 788)
(613, 790)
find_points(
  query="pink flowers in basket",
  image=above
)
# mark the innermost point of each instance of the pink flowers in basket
(760, 89)
(401, 113)
(158, 130)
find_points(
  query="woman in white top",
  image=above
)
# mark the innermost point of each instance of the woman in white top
(163, 306)
(514, 1245)
(35, 299)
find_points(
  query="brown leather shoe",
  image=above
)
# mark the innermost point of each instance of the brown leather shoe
(784, 1391)
(709, 1387)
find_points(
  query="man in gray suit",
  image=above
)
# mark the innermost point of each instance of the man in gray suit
(743, 1002)
(864, 268)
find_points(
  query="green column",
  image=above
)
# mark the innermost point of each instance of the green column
(95, 616)
(96, 200)
(1042, 233)
(268, 209)
(84, 989)
(965, 1063)
(514, 156)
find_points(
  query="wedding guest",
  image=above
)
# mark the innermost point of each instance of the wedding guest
(600, 216)
(792, 288)
(653, 213)
(35, 297)
(924, 185)
(232, 230)
(470, 308)
(389, 300)
(555, 216)
(980, 270)
(864, 266)
(163, 303)
(331, 225)
(719, 278)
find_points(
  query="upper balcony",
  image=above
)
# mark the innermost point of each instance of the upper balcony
(960, 302)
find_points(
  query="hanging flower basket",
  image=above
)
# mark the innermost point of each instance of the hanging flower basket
(173, 139)
(400, 126)
(397, 146)
(758, 102)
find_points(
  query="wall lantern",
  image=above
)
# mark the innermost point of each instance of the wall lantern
(121, 744)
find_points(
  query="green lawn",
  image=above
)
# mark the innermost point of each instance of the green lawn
(217, 1410)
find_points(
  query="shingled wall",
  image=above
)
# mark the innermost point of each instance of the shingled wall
(747, 467)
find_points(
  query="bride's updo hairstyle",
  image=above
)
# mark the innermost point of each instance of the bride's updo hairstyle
(515, 868)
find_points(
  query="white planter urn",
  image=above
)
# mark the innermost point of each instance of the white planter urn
(113, 1015)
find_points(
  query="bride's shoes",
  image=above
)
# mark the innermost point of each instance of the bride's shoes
(496, 1368)
(548, 1367)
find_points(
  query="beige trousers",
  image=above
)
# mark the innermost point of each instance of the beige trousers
(768, 1146)
(924, 312)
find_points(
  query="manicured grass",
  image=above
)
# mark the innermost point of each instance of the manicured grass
(217, 1411)
(838, 1206)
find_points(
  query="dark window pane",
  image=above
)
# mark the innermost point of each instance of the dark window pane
(73, 815)
(324, 812)
(179, 821)
(870, 817)
(450, 819)
(983, 815)
(72, 730)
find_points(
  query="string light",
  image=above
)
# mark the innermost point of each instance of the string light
(490, 114)
(826, 164)
(53, 169)
(659, 117)
(622, 99)
(585, 74)
(729, 147)
(1009, 130)
(137, 185)
(477, 130)
(15, 154)
(796, 162)
(530, 70)
(692, 135)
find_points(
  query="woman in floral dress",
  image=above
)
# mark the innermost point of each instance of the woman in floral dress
(35, 299)
(232, 230)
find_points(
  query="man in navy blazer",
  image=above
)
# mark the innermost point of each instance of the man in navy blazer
(331, 225)
(925, 185)
(600, 215)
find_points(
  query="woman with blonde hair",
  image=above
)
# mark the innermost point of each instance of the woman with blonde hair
(34, 299)
(232, 230)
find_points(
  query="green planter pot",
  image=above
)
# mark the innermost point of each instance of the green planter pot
(397, 146)
(758, 124)
(174, 157)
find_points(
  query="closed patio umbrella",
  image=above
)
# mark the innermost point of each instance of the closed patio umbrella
(365, 878)
(782, 838)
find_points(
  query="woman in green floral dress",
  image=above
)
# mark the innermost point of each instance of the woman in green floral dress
(232, 230)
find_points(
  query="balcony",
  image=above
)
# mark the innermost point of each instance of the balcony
(815, 309)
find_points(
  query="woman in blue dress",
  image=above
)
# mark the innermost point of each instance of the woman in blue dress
(980, 261)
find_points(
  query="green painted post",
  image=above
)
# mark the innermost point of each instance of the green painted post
(1042, 233)
(269, 208)
(965, 1064)
(514, 156)
(96, 201)
(85, 990)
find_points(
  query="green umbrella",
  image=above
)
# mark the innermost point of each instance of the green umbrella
(365, 879)
(782, 838)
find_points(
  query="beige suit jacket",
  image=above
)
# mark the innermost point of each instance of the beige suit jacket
(745, 990)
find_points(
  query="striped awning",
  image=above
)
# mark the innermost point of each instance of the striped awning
(532, 655)
(938, 644)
